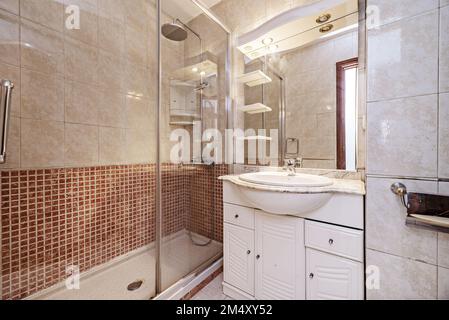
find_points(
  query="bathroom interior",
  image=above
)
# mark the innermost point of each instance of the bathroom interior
(224, 150)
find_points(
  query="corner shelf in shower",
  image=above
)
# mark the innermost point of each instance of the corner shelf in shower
(181, 123)
(255, 78)
(255, 108)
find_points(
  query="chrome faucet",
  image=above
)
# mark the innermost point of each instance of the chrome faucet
(290, 165)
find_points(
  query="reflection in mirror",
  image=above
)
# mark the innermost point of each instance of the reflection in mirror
(305, 85)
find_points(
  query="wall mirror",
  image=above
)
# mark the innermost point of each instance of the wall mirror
(301, 77)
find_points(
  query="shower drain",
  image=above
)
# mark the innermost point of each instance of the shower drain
(133, 286)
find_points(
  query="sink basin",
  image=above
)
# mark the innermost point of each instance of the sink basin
(283, 199)
(282, 179)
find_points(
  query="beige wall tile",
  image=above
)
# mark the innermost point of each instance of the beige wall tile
(396, 126)
(112, 9)
(10, 5)
(137, 14)
(81, 146)
(141, 146)
(402, 278)
(392, 11)
(444, 3)
(112, 146)
(42, 143)
(443, 250)
(42, 96)
(385, 221)
(399, 54)
(13, 145)
(443, 284)
(50, 13)
(443, 188)
(81, 103)
(42, 48)
(443, 150)
(111, 35)
(140, 113)
(444, 49)
(111, 110)
(88, 31)
(136, 46)
(111, 72)
(138, 81)
(81, 62)
(12, 73)
(9, 38)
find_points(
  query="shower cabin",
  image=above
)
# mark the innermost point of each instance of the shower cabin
(95, 204)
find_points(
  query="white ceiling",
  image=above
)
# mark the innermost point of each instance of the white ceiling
(184, 9)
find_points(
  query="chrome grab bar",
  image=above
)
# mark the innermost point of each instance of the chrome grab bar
(6, 87)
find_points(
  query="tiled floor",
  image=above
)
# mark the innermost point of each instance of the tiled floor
(213, 291)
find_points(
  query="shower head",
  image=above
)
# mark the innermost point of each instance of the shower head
(174, 31)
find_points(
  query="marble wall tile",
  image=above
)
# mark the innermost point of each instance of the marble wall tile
(391, 11)
(443, 250)
(385, 221)
(42, 48)
(12, 73)
(81, 145)
(42, 143)
(140, 113)
(13, 145)
(42, 96)
(136, 46)
(443, 188)
(443, 284)
(49, 13)
(10, 5)
(81, 62)
(403, 59)
(402, 278)
(81, 103)
(111, 36)
(443, 148)
(88, 31)
(444, 49)
(141, 146)
(111, 72)
(112, 145)
(111, 109)
(9, 38)
(444, 3)
(396, 126)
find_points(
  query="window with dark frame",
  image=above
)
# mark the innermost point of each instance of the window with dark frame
(344, 83)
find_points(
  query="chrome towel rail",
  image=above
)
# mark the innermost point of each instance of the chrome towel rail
(6, 87)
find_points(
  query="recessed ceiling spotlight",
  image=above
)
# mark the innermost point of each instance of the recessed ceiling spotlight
(194, 69)
(267, 41)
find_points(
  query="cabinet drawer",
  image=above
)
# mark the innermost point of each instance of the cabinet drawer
(336, 240)
(239, 216)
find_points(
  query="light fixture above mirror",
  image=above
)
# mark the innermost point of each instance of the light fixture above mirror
(300, 26)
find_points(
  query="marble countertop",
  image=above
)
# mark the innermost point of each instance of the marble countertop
(339, 186)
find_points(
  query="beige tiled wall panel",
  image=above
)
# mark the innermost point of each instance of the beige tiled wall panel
(385, 222)
(443, 284)
(401, 53)
(402, 278)
(397, 127)
(444, 49)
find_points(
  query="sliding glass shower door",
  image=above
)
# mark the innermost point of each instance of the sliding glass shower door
(194, 53)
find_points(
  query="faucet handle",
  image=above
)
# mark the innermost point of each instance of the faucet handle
(290, 162)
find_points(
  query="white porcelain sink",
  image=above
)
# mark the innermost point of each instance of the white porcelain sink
(284, 180)
(283, 199)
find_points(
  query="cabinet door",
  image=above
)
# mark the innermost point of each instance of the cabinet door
(333, 278)
(239, 258)
(280, 257)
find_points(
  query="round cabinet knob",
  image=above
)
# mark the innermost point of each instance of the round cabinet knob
(311, 276)
(236, 216)
(258, 257)
(248, 252)
(331, 241)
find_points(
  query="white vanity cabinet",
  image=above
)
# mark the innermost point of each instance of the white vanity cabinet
(269, 256)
